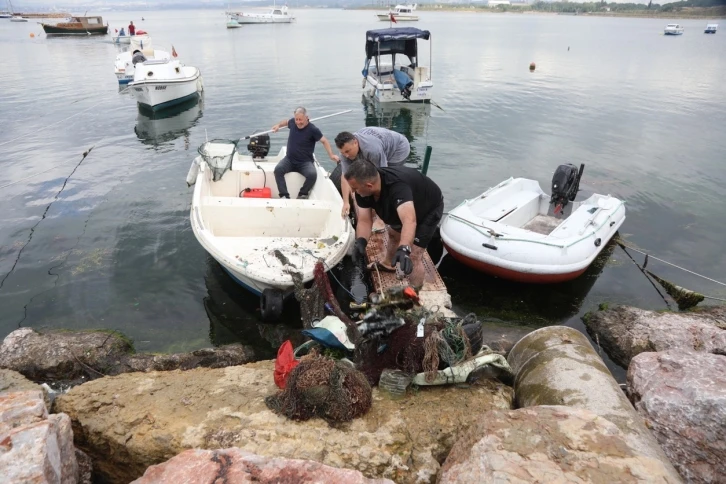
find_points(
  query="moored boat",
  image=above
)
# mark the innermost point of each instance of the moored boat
(162, 83)
(673, 29)
(401, 13)
(123, 64)
(516, 231)
(276, 15)
(388, 81)
(257, 237)
(77, 26)
(711, 29)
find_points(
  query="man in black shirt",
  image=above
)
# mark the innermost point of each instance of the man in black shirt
(300, 147)
(408, 202)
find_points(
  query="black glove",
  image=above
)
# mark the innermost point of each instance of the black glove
(359, 250)
(402, 257)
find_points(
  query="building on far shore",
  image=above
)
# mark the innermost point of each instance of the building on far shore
(496, 3)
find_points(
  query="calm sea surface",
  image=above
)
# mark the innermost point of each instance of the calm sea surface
(108, 243)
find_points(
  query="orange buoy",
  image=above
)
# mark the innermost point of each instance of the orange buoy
(32, 35)
(532, 66)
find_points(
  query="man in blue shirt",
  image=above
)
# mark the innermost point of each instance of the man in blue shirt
(300, 148)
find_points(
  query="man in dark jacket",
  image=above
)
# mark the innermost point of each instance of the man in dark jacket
(408, 202)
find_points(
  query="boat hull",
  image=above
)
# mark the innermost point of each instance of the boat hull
(54, 30)
(399, 18)
(513, 275)
(508, 232)
(256, 20)
(160, 94)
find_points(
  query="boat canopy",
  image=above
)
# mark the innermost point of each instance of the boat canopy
(394, 41)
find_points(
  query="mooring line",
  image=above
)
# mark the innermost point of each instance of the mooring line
(647, 255)
(45, 213)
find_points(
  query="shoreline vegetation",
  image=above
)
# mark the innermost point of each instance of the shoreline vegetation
(707, 9)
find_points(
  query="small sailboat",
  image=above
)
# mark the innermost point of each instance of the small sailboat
(516, 231)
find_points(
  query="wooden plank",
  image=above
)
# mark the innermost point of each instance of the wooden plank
(434, 295)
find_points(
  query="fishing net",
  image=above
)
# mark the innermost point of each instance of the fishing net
(325, 388)
(312, 302)
(218, 154)
(445, 342)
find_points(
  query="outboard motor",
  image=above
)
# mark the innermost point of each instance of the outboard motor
(259, 146)
(565, 184)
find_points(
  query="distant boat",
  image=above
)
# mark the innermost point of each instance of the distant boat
(711, 29)
(18, 19)
(276, 15)
(673, 29)
(77, 26)
(5, 15)
(402, 13)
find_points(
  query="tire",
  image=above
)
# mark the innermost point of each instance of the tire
(271, 304)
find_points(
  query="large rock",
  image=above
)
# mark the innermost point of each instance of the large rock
(74, 356)
(548, 444)
(682, 395)
(34, 446)
(233, 465)
(12, 381)
(129, 422)
(625, 331)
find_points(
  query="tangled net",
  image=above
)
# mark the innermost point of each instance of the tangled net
(445, 342)
(325, 388)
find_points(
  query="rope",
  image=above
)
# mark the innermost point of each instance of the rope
(622, 243)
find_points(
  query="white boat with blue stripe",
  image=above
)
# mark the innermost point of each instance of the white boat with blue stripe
(163, 83)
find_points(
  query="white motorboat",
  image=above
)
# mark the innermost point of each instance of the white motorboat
(402, 13)
(711, 29)
(276, 15)
(124, 67)
(511, 230)
(673, 29)
(126, 39)
(388, 81)
(257, 237)
(17, 18)
(163, 83)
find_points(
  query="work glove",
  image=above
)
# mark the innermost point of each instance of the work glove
(359, 250)
(402, 257)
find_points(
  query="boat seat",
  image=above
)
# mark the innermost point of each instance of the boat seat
(571, 226)
(265, 217)
(506, 206)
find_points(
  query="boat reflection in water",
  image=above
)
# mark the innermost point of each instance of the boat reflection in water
(234, 316)
(409, 119)
(157, 128)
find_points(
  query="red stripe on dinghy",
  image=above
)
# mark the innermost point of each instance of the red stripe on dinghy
(528, 277)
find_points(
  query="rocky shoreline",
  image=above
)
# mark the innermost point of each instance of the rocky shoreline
(130, 416)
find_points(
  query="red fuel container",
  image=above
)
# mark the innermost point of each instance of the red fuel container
(257, 193)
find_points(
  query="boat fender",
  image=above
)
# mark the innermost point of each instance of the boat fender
(193, 172)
